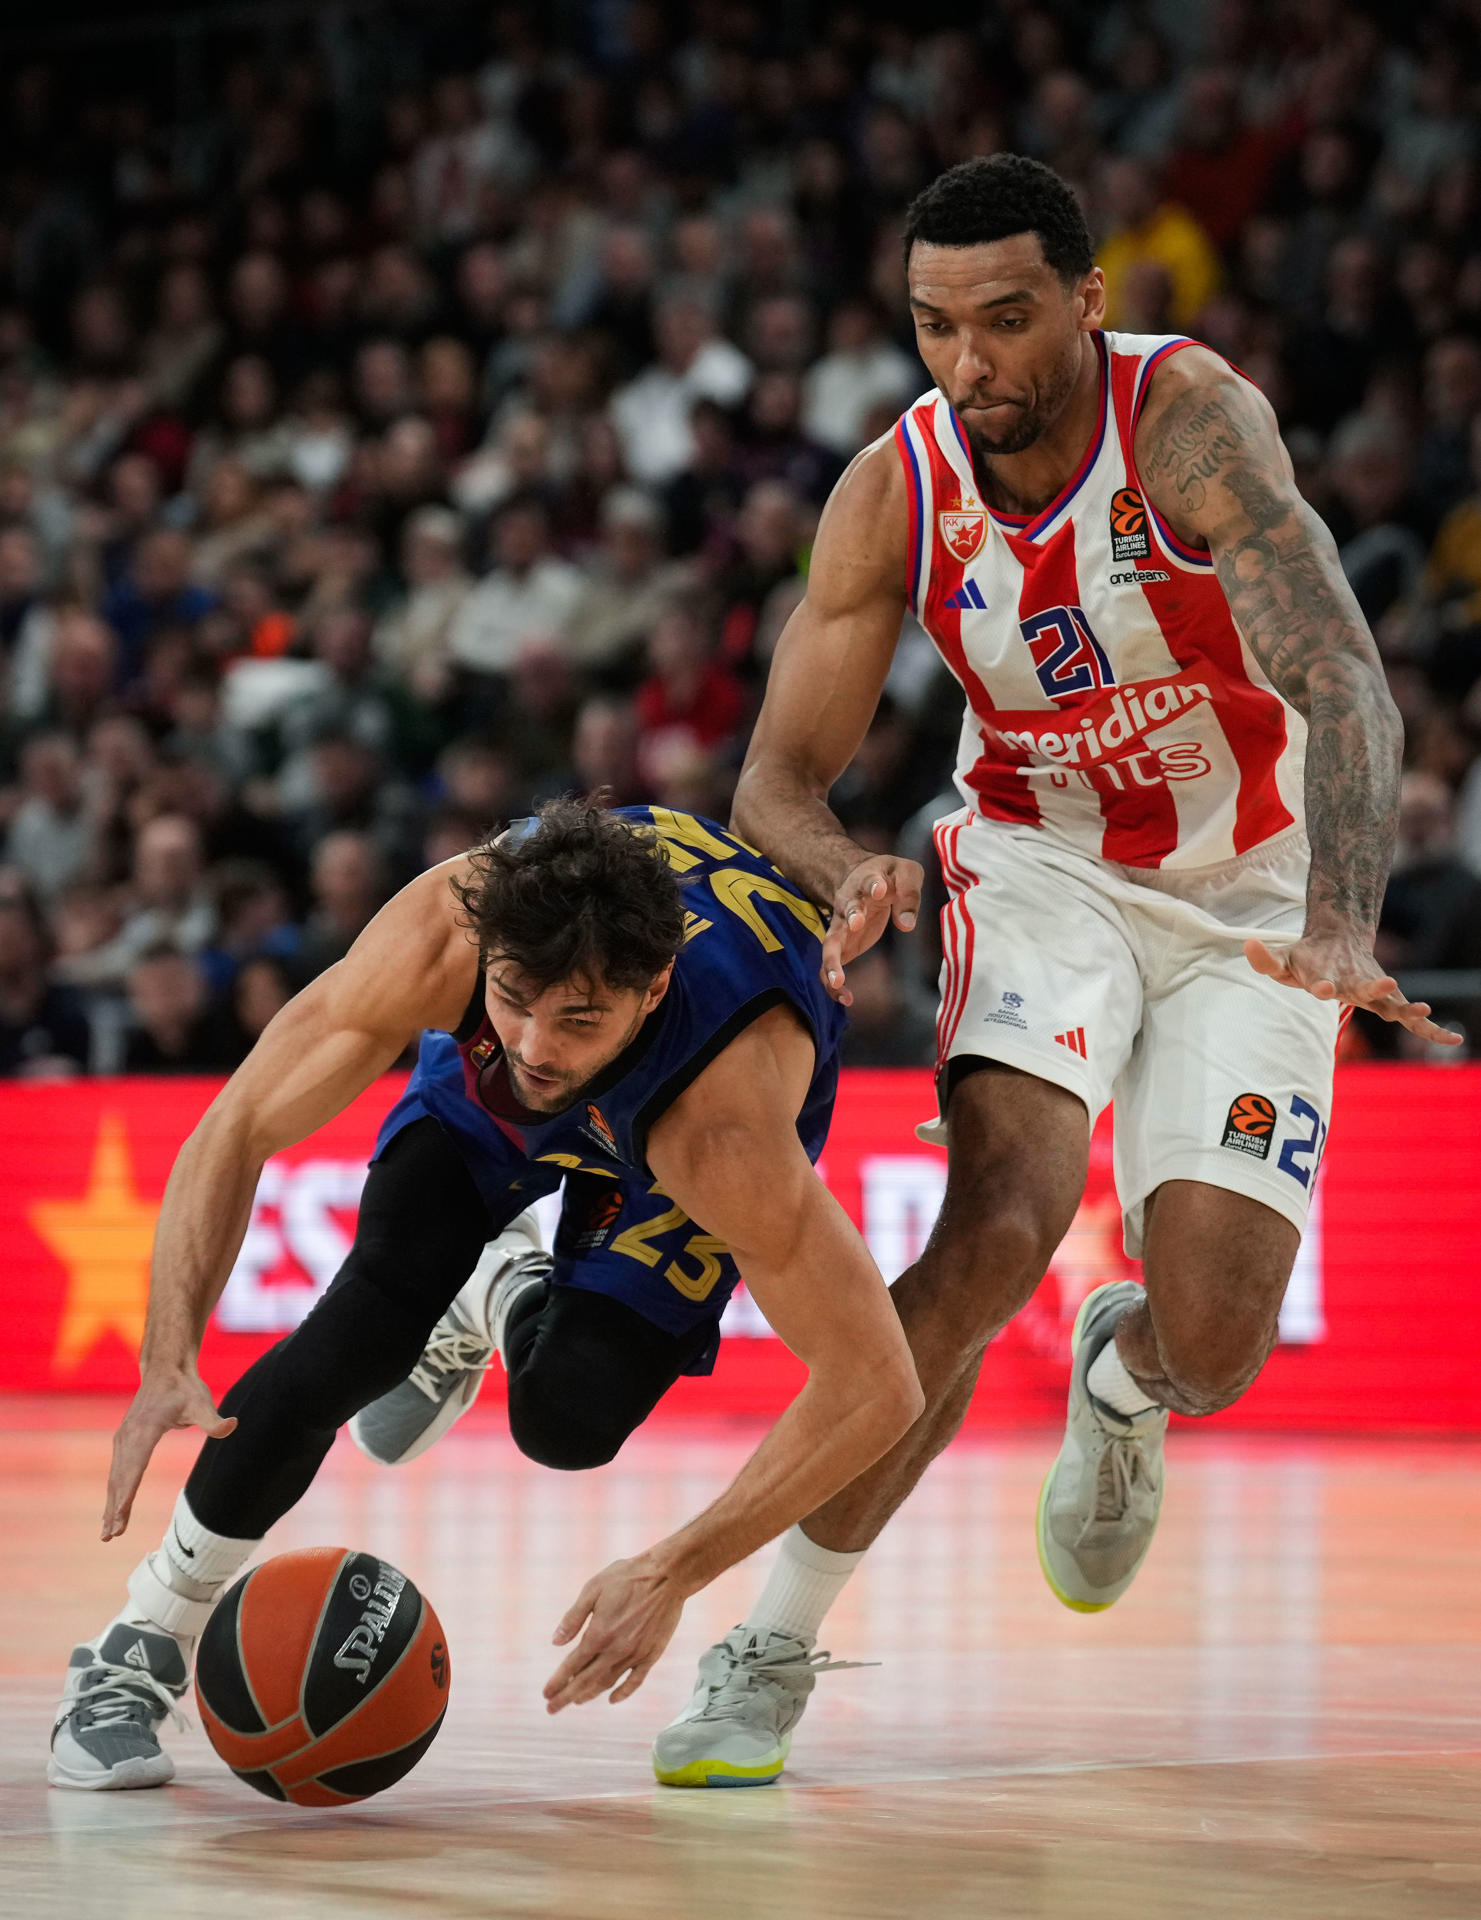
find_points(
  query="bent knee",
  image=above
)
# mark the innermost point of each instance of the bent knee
(548, 1433)
(1212, 1373)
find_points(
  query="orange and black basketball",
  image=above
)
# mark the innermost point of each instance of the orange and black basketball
(322, 1677)
(1128, 515)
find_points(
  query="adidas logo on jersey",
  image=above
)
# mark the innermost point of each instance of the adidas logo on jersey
(969, 594)
(1074, 1040)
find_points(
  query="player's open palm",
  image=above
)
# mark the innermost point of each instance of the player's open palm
(880, 889)
(629, 1611)
(1340, 966)
(164, 1400)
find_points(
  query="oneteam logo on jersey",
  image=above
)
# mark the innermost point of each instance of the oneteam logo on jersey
(597, 1127)
(963, 530)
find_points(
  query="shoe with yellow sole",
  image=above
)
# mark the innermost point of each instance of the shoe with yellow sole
(1099, 1505)
(737, 1729)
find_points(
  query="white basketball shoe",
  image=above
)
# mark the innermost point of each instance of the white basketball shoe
(750, 1694)
(1101, 1498)
(120, 1689)
(445, 1382)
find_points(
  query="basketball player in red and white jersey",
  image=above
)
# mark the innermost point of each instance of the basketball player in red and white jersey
(1178, 770)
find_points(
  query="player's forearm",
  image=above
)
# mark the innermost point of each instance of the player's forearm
(1354, 749)
(1287, 592)
(783, 813)
(828, 1436)
(202, 1221)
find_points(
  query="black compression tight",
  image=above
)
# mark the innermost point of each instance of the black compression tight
(584, 1369)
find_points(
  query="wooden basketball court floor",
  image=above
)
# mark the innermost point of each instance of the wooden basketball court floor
(1283, 1719)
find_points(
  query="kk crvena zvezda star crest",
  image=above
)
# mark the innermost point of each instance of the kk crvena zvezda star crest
(963, 529)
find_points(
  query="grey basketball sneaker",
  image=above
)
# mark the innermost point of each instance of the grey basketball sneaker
(445, 1382)
(119, 1691)
(737, 1729)
(1098, 1510)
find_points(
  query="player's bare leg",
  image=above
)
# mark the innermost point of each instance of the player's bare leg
(1018, 1158)
(1019, 1154)
(1216, 1268)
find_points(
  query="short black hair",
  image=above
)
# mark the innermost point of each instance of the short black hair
(587, 893)
(992, 197)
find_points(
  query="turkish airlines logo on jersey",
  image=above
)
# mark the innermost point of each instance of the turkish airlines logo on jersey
(1068, 659)
(963, 529)
(1129, 526)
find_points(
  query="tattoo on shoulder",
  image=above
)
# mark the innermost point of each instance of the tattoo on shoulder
(1189, 444)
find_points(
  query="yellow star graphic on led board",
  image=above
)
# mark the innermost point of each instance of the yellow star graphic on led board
(104, 1241)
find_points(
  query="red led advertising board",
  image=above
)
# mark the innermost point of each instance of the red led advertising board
(1380, 1329)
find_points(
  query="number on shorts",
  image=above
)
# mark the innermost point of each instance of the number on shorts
(1299, 1147)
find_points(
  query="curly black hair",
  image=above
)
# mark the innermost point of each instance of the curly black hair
(990, 198)
(586, 894)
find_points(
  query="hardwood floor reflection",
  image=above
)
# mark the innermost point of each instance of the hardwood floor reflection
(1282, 1719)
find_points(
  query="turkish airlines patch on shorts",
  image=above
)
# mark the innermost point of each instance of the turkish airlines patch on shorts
(1250, 1126)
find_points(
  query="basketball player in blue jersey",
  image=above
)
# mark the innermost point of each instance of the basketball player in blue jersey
(625, 1001)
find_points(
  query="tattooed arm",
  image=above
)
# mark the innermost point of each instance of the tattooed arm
(1211, 459)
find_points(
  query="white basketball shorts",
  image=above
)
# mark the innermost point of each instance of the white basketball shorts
(1130, 984)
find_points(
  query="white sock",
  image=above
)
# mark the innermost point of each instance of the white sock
(803, 1584)
(1113, 1386)
(174, 1589)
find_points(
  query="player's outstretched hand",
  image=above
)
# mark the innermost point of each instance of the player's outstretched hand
(1339, 966)
(880, 889)
(629, 1610)
(175, 1399)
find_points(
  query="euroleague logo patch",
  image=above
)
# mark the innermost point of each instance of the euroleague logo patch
(1129, 526)
(963, 529)
(1250, 1127)
(601, 1217)
(596, 1126)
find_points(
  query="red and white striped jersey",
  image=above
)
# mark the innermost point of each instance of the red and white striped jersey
(1110, 698)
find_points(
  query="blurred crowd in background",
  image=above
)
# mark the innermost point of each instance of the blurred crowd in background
(408, 416)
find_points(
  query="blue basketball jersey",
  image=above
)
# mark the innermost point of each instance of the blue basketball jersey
(751, 942)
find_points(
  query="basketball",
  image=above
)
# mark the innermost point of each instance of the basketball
(322, 1677)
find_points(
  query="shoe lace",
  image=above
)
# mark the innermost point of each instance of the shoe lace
(450, 1350)
(122, 1691)
(729, 1695)
(1122, 1465)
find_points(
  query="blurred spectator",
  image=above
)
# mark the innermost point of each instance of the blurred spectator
(1372, 518)
(861, 369)
(1453, 571)
(170, 903)
(1432, 908)
(1452, 400)
(175, 1027)
(262, 988)
(253, 919)
(44, 1031)
(348, 885)
(155, 592)
(627, 583)
(702, 499)
(1141, 227)
(411, 637)
(604, 750)
(884, 1028)
(530, 593)
(652, 411)
(53, 832)
(688, 693)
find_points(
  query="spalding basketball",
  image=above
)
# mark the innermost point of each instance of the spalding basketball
(322, 1677)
